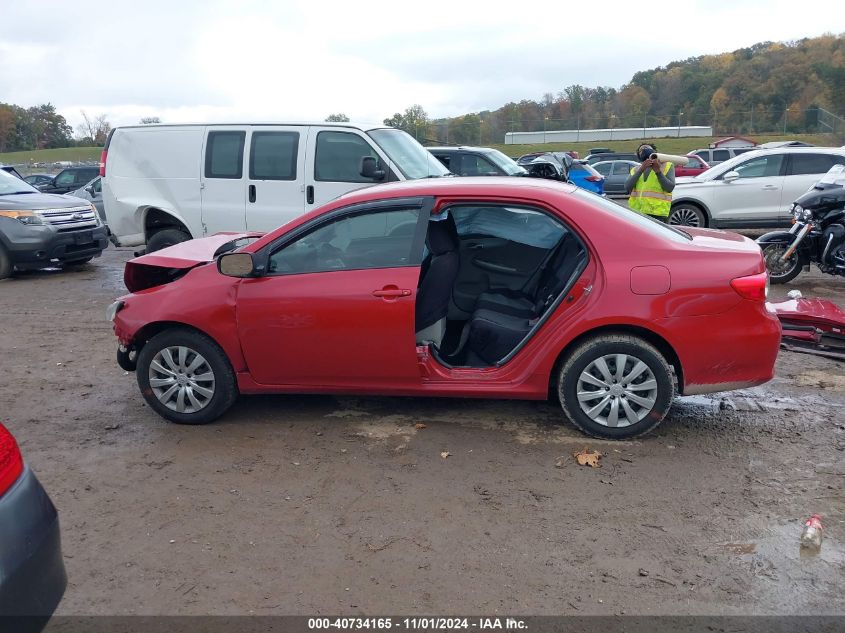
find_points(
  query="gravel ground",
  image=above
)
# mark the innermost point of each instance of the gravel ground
(317, 504)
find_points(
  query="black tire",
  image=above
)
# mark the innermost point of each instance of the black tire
(165, 238)
(688, 214)
(608, 347)
(77, 262)
(223, 386)
(781, 273)
(5, 263)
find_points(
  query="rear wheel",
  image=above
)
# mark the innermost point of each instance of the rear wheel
(688, 215)
(186, 377)
(616, 386)
(165, 238)
(781, 272)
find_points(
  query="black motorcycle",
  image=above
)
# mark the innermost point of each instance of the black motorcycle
(817, 235)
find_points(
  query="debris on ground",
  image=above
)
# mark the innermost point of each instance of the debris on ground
(586, 457)
(445, 454)
(420, 425)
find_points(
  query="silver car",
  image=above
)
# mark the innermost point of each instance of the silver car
(92, 191)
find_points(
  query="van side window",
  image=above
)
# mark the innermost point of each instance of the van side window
(721, 155)
(272, 155)
(338, 157)
(224, 155)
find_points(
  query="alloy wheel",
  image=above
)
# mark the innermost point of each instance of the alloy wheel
(684, 216)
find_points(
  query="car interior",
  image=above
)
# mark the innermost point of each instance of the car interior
(489, 276)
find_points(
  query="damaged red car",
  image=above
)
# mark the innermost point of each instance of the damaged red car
(460, 287)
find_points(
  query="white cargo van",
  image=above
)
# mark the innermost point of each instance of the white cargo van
(164, 184)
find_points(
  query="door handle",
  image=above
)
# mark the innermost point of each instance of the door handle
(309, 194)
(252, 193)
(391, 293)
(770, 187)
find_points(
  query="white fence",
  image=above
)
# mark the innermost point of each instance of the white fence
(609, 134)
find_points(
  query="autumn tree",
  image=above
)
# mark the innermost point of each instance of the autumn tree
(93, 130)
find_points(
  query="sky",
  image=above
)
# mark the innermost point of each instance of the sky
(301, 60)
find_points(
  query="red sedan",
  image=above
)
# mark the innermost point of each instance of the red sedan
(695, 166)
(462, 287)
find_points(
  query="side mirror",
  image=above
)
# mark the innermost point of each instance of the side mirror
(730, 176)
(90, 190)
(236, 265)
(369, 168)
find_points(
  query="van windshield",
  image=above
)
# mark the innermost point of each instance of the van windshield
(410, 158)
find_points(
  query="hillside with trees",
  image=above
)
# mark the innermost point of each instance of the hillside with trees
(769, 87)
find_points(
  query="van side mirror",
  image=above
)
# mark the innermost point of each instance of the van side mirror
(369, 168)
(236, 265)
(730, 176)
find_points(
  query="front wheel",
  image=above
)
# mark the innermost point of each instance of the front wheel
(616, 387)
(5, 263)
(781, 272)
(687, 215)
(186, 377)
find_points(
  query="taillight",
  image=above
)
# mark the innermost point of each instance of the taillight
(11, 462)
(753, 287)
(595, 178)
(103, 157)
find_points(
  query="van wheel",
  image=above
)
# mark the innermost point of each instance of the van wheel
(616, 387)
(5, 263)
(165, 238)
(185, 377)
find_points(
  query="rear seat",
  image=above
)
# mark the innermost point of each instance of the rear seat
(501, 321)
(527, 302)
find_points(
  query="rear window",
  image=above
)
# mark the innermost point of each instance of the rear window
(813, 163)
(224, 155)
(652, 226)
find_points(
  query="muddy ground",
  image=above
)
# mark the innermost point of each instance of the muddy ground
(316, 505)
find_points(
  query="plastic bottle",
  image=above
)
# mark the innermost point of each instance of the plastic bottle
(811, 535)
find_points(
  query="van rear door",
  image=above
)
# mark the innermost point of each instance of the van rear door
(334, 156)
(223, 187)
(275, 176)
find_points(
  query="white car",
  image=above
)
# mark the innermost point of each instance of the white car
(756, 189)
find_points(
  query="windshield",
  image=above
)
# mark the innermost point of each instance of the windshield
(834, 176)
(410, 158)
(505, 163)
(10, 184)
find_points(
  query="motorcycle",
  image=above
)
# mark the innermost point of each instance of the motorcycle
(817, 235)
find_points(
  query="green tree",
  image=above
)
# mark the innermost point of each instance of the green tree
(337, 118)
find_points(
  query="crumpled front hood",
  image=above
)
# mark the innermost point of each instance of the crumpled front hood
(168, 264)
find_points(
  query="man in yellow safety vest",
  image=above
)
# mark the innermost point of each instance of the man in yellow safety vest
(650, 185)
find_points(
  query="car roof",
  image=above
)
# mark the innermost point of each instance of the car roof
(459, 148)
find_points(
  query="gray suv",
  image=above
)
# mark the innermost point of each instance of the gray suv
(37, 229)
